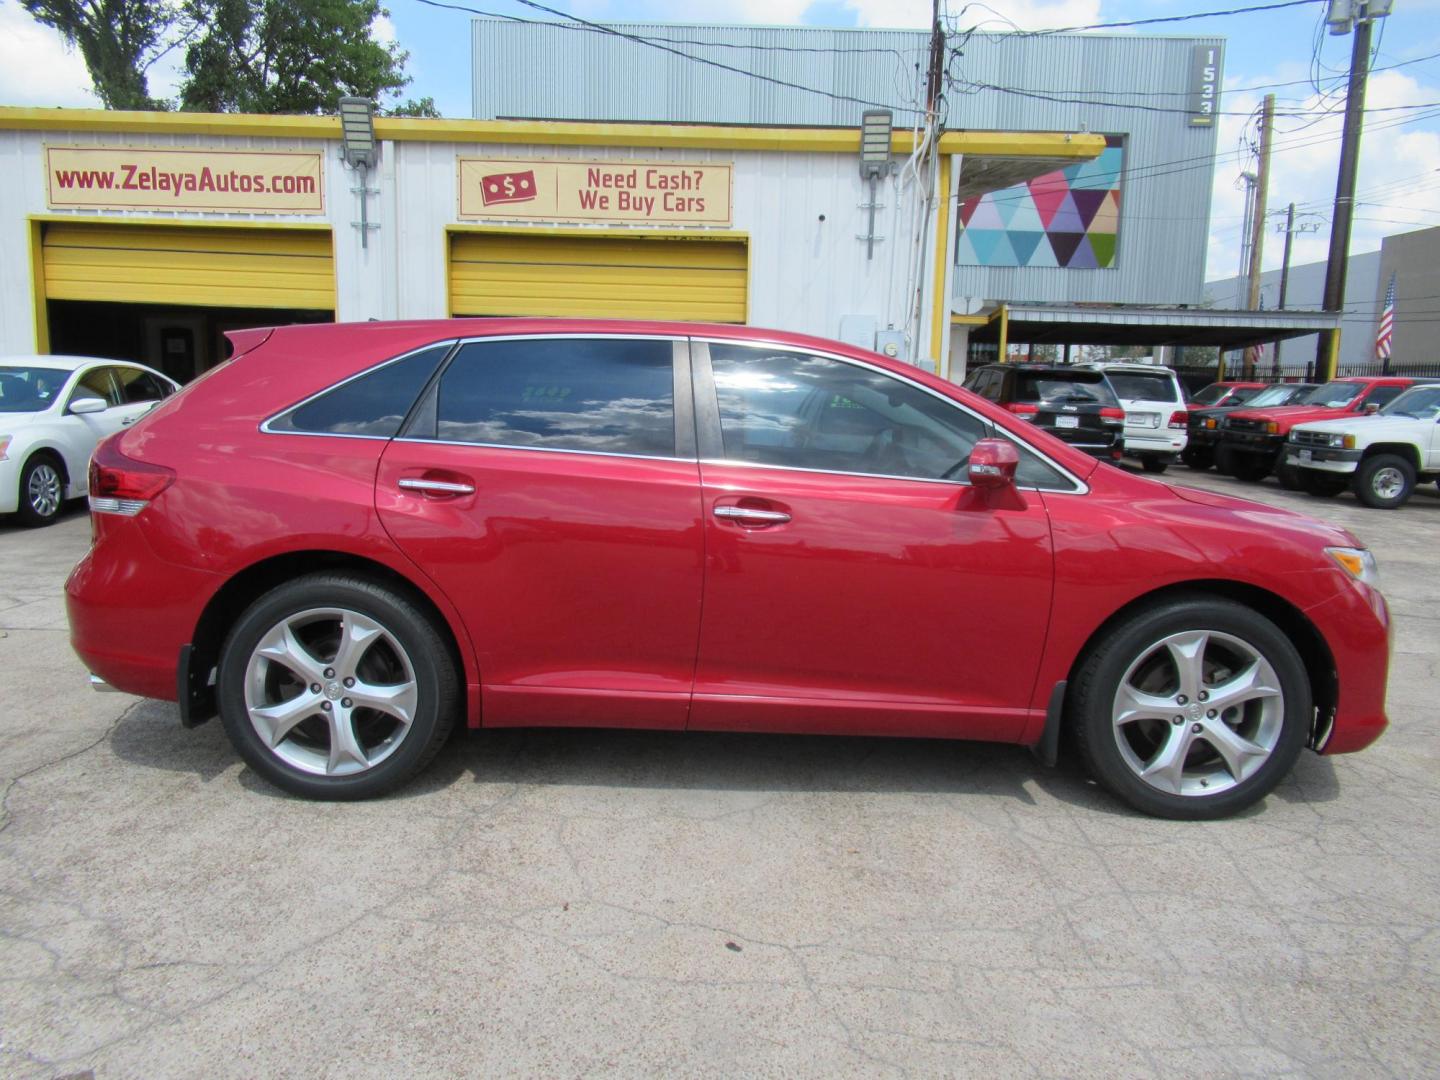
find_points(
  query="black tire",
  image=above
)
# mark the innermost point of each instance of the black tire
(1196, 458)
(1091, 706)
(1250, 468)
(1290, 478)
(420, 642)
(1154, 464)
(42, 489)
(1384, 482)
(1322, 485)
(1225, 461)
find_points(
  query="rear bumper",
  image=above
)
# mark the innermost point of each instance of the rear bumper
(1155, 443)
(130, 613)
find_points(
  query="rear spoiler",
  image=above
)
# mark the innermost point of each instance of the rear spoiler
(244, 341)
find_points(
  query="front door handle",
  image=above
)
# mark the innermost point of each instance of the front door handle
(746, 515)
(436, 487)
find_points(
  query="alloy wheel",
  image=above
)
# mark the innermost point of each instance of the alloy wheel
(1388, 483)
(1197, 713)
(42, 491)
(330, 691)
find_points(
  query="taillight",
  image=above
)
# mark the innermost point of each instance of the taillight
(122, 485)
(1179, 419)
(1023, 410)
(1112, 416)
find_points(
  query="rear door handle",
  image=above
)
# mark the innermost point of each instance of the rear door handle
(748, 516)
(436, 487)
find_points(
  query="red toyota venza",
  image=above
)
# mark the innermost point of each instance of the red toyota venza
(349, 538)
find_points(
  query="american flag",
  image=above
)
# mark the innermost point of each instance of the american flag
(1386, 332)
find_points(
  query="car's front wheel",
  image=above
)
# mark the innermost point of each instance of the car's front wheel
(1196, 458)
(1154, 464)
(1193, 708)
(1384, 481)
(336, 687)
(42, 490)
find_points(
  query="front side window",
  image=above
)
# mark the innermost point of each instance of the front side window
(98, 382)
(1383, 395)
(373, 404)
(1421, 403)
(596, 395)
(810, 412)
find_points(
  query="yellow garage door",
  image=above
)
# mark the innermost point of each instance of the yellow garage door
(156, 264)
(685, 278)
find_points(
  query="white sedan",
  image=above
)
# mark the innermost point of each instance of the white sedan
(53, 410)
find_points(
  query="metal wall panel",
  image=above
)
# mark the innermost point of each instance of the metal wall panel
(551, 72)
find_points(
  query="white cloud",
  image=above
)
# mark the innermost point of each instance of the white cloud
(1398, 185)
(36, 68)
(998, 15)
(383, 30)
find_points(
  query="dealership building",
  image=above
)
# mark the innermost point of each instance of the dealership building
(645, 184)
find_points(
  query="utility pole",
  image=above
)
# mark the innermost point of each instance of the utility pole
(1362, 14)
(1285, 274)
(1257, 221)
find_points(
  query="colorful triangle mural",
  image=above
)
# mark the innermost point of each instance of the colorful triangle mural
(1069, 218)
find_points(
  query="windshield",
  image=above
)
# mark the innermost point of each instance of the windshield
(1074, 388)
(29, 389)
(1421, 403)
(1142, 386)
(1335, 395)
(1211, 394)
(1278, 395)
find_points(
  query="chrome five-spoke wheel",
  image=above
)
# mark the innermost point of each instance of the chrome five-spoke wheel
(330, 691)
(1198, 712)
(42, 490)
(1192, 706)
(337, 687)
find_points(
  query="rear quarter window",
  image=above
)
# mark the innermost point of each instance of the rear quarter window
(372, 404)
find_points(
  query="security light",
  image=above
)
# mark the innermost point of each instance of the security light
(875, 142)
(357, 131)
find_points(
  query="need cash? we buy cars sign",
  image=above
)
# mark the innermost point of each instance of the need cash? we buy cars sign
(631, 192)
(226, 181)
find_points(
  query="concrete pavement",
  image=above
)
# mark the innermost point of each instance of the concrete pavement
(621, 903)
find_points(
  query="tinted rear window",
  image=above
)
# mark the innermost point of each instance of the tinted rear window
(372, 404)
(1142, 386)
(1062, 387)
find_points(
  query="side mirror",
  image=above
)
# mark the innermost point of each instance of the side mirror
(1371, 409)
(993, 463)
(82, 406)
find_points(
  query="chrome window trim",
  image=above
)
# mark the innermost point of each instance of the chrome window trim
(265, 424)
(1079, 488)
(542, 449)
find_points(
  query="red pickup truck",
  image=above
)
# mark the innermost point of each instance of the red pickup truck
(1252, 440)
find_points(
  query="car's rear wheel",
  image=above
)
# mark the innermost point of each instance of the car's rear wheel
(1384, 481)
(42, 490)
(1193, 708)
(1196, 458)
(336, 687)
(1290, 478)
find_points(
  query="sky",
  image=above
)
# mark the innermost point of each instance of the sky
(1399, 178)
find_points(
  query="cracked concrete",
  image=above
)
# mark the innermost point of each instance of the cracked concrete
(615, 903)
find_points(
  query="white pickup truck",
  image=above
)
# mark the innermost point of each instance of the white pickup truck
(1381, 457)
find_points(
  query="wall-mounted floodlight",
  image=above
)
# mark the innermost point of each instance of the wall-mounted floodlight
(875, 128)
(357, 132)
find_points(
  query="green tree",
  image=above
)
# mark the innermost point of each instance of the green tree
(410, 107)
(287, 56)
(119, 40)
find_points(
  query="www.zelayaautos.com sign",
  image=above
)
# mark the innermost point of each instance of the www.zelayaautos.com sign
(243, 181)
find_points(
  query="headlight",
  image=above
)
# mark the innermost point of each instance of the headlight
(4, 445)
(1223, 423)
(1346, 442)
(1358, 563)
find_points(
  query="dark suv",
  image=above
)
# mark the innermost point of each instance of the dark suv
(1074, 405)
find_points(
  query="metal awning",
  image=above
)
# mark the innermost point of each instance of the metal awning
(1045, 324)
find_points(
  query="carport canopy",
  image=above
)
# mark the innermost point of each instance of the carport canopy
(1044, 324)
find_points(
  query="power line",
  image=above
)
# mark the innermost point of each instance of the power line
(1148, 22)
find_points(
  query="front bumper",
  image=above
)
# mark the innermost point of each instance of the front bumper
(1203, 437)
(1323, 459)
(9, 485)
(1252, 442)
(1356, 626)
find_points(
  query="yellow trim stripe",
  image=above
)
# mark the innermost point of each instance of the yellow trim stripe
(37, 288)
(940, 301)
(1054, 144)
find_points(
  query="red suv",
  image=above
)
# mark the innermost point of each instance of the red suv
(350, 537)
(1253, 440)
